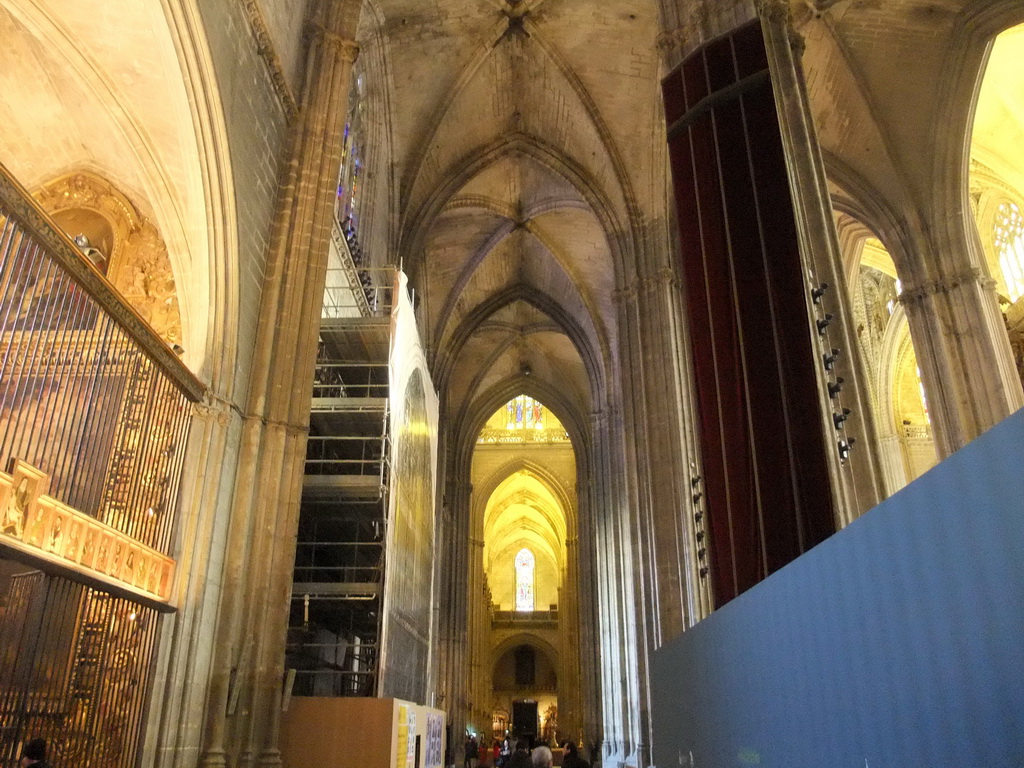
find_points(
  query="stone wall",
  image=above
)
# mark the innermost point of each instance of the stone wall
(257, 129)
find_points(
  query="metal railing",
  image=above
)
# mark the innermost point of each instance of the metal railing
(372, 287)
(347, 455)
(73, 670)
(518, 617)
(503, 436)
(89, 394)
(345, 380)
(363, 292)
(334, 682)
(917, 431)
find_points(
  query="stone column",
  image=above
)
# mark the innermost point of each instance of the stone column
(857, 484)
(963, 351)
(894, 465)
(454, 693)
(670, 595)
(620, 654)
(570, 623)
(174, 733)
(591, 692)
(244, 704)
(476, 667)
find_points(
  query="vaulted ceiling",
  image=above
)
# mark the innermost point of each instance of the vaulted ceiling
(527, 138)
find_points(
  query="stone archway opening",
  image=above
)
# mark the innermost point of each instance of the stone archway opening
(525, 630)
(997, 179)
(902, 421)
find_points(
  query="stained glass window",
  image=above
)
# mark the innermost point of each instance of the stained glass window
(524, 580)
(350, 180)
(1008, 237)
(525, 413)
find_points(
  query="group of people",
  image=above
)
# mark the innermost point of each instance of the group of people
(504, 756)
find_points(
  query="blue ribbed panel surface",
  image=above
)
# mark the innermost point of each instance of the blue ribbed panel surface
(899, 641)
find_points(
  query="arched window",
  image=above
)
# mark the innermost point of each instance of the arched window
(1008, 237)
(350, 179)
(524, 580)
(525, 413)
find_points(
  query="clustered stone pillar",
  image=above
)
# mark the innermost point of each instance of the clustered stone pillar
(963, 352)
(621, 656)
(478, 669)
(245, 693)
(454, 693)
(670, 595)
(857, 484)
(590, 691)
(570, 722)
(174, 733)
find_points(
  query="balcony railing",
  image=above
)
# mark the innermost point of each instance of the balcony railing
(524, 617)
(352, 291)
(89, 394)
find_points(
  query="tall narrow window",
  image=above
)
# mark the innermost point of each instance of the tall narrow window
(1009, 242)
(524, 580)
(350, 178)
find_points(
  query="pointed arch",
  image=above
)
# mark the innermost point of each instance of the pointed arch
(543, 475)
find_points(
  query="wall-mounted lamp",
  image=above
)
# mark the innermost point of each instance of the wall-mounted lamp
(823, 323)
(829, 358)
(845, 446)
(840, 416)
(817, 293)
(835, 387)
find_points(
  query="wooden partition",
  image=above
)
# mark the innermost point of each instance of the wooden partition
(361, 733)
(897, 642)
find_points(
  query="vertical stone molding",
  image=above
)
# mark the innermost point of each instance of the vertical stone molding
(453, 694)
(244, 704)
(620, 686)
(174, 734)
(656, 530)
(857, 483)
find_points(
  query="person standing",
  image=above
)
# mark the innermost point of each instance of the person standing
(572, 758)
(521, 757)
(542, 757)
(471, 751)
(34, 754)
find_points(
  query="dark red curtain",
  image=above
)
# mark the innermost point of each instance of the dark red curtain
(765, 475)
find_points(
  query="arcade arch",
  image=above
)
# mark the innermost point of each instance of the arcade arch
(524, 508)
(997, 179)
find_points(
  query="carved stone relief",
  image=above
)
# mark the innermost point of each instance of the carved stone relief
(135, 259)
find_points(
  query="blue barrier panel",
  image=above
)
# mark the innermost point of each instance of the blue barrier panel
(897, 643)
